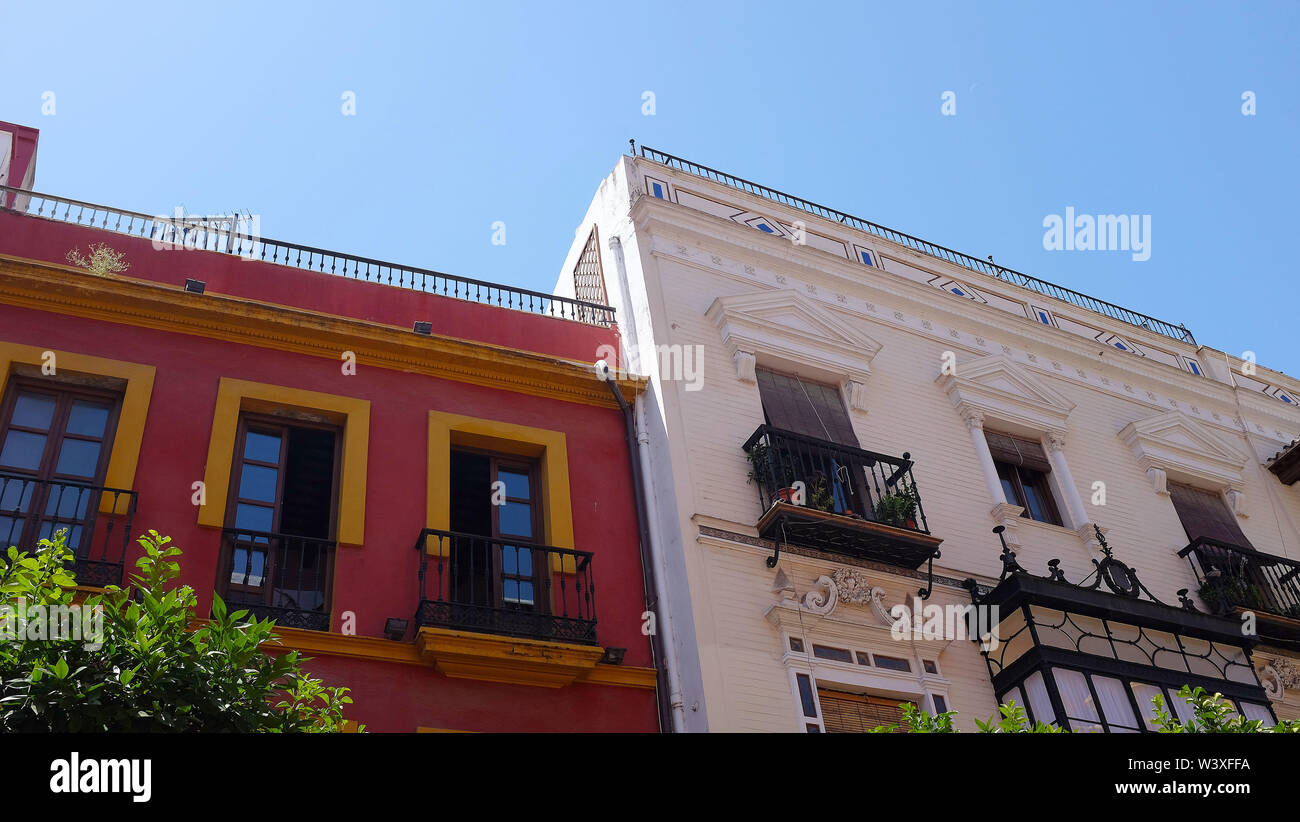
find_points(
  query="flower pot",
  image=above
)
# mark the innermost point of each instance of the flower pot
(910, 522)
(785, 495)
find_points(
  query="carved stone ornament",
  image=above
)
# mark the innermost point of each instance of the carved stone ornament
(848, 586)
(1279, 676)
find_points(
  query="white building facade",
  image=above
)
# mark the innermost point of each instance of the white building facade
(839, 417)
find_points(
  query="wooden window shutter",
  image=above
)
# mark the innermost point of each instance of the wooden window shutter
(846, 713)
(1205, 514)
(804, 407)
(588, 277)
(1015, 450)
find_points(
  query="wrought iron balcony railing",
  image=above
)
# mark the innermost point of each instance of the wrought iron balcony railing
(230, 235)
(838, 498)
(97, 519)
(1115, 312)
(505, 586)
(277, 576)
(1233, 577)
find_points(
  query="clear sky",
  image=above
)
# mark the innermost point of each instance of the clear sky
(471, 113)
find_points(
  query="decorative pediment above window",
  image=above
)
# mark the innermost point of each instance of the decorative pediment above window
(1173, 445)
(997, 386)
(788, 331)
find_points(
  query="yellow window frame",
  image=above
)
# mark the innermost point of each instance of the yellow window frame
(125, 456)
(549, 447)
(234, 396)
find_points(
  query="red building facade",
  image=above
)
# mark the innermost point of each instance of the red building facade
(420, 477)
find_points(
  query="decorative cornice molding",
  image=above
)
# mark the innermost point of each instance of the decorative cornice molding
(997, 386)
(1175, 445)
(142, 303)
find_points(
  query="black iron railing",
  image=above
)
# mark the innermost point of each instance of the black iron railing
(833, 478)
(1234, 577)
(504, 586)
(235, 235)
(277, 576)
(1115, 312)
(97, 519)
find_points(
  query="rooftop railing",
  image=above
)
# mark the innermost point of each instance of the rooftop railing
(232, 235)
(1115, 312)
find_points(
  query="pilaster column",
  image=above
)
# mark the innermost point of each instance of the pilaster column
(1055, 442)
(975, 423)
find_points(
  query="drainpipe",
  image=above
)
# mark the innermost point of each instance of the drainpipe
(666, 693)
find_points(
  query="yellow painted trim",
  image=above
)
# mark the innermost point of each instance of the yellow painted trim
(492, 658)
(125, 456)
(407, 653)
(236, 395)
(65, 290)
(623, 676)
(446, 430)
(354, 647)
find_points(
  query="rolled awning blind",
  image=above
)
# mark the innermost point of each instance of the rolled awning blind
(1205, 514)
(804, 407)
(1017, 451)
(858, 713)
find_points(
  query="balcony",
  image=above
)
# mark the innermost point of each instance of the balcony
(839, 499)
(506, 587)
(282, 577)
(234, 236)
(98, 520)
(1236, 579)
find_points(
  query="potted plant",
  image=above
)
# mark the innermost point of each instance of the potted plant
(769, 467)
(898, 508)
(820, 496)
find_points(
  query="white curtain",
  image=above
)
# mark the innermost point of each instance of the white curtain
(1115, 706)
(1145, 693)
(1040, 704)
(1077, 699)
(1253, 710)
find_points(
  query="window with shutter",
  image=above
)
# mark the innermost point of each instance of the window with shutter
(1205, 514)
(805, 407)
(847, 713)
(1023, 468)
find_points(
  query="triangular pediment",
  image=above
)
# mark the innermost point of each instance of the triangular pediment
(1181, 445)
(786, 324)
(787, 312)
(999, 386)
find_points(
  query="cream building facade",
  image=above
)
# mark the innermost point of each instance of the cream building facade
(809, 370)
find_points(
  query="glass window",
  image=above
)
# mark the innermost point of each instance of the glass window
(1077, 699)
(806, 695)
(1145, 693)
(1115, 705)
(1253, 710)
(1040, 704)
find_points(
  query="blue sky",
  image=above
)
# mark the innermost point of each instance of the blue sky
(471, 113)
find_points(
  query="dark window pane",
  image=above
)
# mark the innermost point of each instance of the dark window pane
(1036, 492)
(22, 450)
(892, 663)
(806, 696)
(78, 458)
(67, 502)
(88, 418)
(34, 411)
(249, 566)
(516, 484)
(11, 528)
(517, 519)
(254, 517)
(837, 654)
(940, 704)
(262, 447)
(15, 494)
(258, 482)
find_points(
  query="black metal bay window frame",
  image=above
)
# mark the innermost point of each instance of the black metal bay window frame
(1126, 602)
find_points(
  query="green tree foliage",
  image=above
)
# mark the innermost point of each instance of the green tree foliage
(155, 671)
(1211, 714)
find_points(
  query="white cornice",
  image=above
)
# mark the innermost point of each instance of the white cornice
(1185, 449)
(997, 386)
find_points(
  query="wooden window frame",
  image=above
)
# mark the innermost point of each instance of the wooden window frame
(265, 422)
(45, 476)
(1008, 472)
